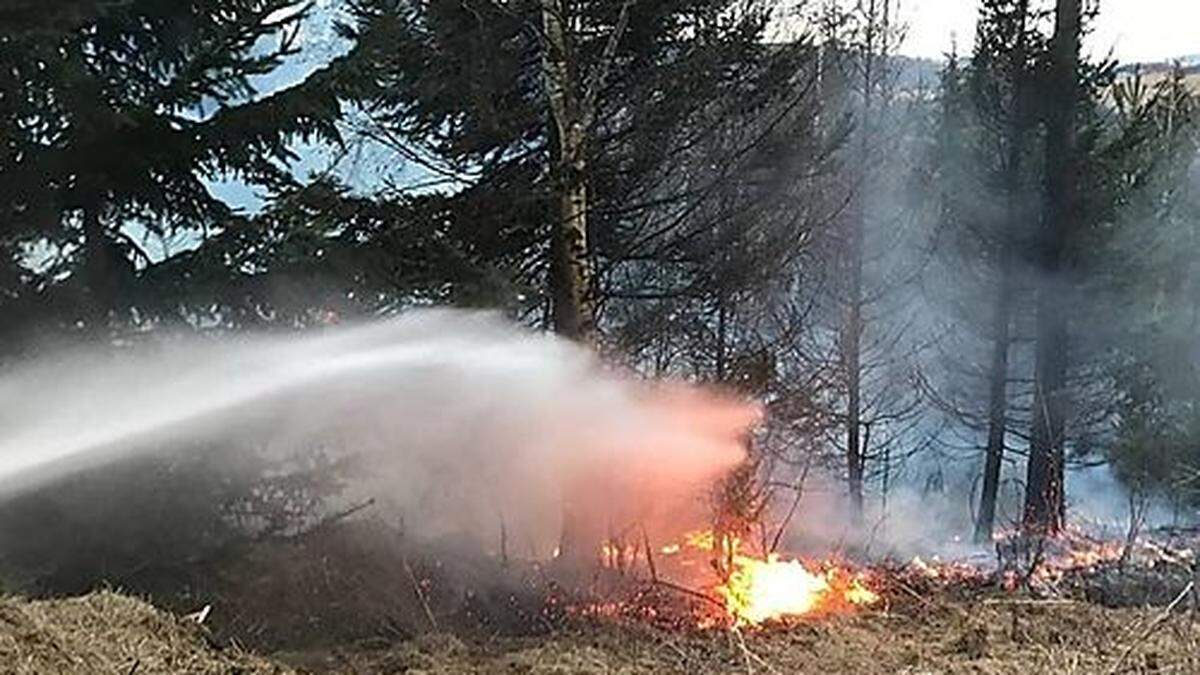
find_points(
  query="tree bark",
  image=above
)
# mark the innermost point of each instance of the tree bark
(571, 269)
(853, 362)
(571, 106)
(1044, 493)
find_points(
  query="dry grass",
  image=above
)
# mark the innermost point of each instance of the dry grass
(985, 638)
(108, 633)
(105, 632)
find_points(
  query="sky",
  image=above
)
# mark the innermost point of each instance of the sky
(1135, 30)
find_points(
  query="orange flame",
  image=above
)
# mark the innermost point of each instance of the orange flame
(759, 589)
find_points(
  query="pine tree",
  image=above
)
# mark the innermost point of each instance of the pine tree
(118, 115)
(652, 86)
(990, 178)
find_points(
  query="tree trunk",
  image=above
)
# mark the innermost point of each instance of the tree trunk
(1044, 494)
(570, 265)
(571, 272)
(997, 404)
(98, 267)
(877, 27)
(1002, 316)
(853, 361)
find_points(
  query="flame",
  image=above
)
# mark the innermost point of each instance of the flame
(759, 589)
(704, 540)
(858, 594)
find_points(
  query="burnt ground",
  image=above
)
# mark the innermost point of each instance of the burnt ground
(920, 632)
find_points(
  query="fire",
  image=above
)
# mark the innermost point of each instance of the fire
(704, 540)
(761, 590)
(750, 589)
(758, 589)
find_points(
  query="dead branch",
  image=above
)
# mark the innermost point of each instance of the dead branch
(749, 655)
(649, 556)
(799, 493)
(1162, 616)
(420, 592)
(688, 591)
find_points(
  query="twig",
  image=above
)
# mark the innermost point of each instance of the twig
(649, 555)
(799, 489)
(1153, 624)
(1195, 597)
(320, 524)
(420, 593)
(688, 591)
(1029, 601)
(749, 655)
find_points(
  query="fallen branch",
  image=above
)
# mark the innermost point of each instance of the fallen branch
(749, 655)
(1030, 601)
(1153, 624)
(420, 593)
(688, 591)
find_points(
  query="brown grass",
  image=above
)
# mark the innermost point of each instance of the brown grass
(985, 637)
(105, 632)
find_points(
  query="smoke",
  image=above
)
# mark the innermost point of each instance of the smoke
(456, 423)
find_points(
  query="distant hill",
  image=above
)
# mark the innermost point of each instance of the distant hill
(1153, 71)
(1190, 65)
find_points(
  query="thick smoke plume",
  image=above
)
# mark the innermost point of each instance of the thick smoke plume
(458, 423)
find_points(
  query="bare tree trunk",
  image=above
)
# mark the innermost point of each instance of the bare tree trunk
(1002, 316)
(997, 404)
(852, 345)
(721, 365)
(877, 27)
(1044, 495)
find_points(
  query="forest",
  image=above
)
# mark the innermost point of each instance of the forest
(930, 326)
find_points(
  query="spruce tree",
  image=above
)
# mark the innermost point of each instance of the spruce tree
(115, 117)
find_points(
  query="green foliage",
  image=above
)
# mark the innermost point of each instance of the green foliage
(457, 88)
(112, 122)
(1155, 277)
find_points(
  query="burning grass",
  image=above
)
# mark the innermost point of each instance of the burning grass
(748, 589)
